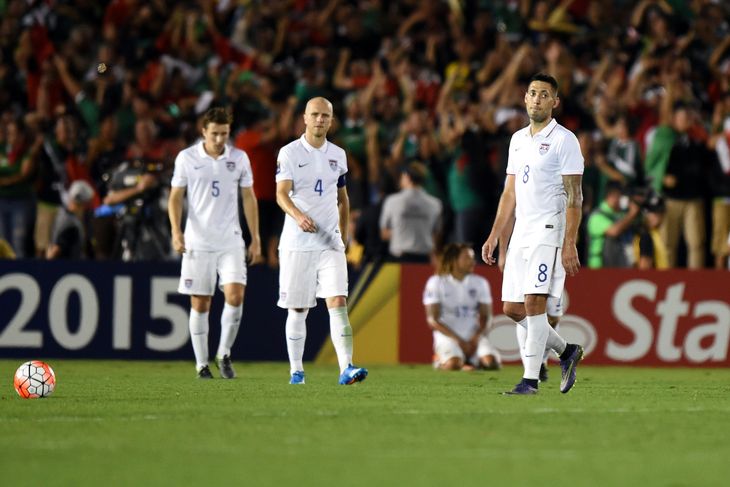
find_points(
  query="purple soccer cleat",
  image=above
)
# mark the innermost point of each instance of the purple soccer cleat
(522, 389)
(568, 367)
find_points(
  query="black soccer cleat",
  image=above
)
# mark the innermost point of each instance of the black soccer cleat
(226, 367)
(543, 373)
(205, 373)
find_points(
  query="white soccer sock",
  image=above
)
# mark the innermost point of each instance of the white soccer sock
(553, 343)
(521, 332)
(230, 322)
(296, 335)
(341, 333)
(537, 335)
(198, 325)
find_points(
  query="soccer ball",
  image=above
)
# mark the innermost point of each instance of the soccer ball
(34, 379)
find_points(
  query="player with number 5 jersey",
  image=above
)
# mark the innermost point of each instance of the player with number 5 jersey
(311, 189)
(542, 193)
(213, 174)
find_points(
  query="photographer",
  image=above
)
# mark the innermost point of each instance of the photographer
(134, 196)
(611, 228)
(649, 248)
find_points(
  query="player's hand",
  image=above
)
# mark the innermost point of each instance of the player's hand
(306, 223)
(488, 250)
(468, 348)
(178, 242)
(253, 256)
(502, 259)
(571, 263)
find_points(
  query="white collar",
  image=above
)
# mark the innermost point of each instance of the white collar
(203, 154)
(310, 148)
(545, 131)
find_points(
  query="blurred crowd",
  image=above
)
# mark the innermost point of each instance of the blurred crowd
(427, 94)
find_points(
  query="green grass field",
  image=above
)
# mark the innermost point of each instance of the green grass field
(152, 423)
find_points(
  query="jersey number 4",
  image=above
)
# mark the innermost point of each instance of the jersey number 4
(318, 187)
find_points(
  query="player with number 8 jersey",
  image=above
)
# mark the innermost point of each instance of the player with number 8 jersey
(542, 196)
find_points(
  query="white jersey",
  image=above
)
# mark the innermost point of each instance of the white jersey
(459, 301)
(538, 163)
(212, 186)
(314, 174)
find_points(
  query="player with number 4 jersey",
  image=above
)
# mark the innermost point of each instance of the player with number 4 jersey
(310, 188)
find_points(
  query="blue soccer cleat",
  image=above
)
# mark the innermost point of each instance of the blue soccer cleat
(522, 389)
(353, 374)
(568, 367)
(297, 377)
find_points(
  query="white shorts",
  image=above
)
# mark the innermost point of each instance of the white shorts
(200, 269)
(532, 270)
(305, 276)
(446, 348)
(555, 306)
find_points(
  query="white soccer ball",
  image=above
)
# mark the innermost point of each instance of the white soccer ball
(34, 379)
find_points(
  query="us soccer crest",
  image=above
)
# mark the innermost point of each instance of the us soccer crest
(230, 165)
(188, 283)
(333, 164)
(544, 147)
(472, 293)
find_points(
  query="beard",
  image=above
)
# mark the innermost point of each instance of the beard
(538, 117)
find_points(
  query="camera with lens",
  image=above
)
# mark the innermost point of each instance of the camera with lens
(646, 198)
(142, 233)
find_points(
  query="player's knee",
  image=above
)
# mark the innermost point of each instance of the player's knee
(454, 363)
(515, 311)
(535, 304)
(336, 302)
(490, 362)
(201, 304)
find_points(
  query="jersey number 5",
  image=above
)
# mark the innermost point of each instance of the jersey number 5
(216, 189)
(318, 187)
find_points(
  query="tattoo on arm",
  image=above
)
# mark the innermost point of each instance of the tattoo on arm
(573, 187)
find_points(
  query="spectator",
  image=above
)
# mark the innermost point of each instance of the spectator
(17, 198)
(61, 151)
(683, 184)
(410, 218)
(68, 240)
(611, 230)
(720, 181)
(260, 140)
(649, 249)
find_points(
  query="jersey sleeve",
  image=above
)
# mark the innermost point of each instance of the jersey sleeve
(246, 180)
(385, 213)
(179, 174)
(431, 291)
(570, 156)
(484, 293)
(511, 169)
(283, 166)
(343, 163)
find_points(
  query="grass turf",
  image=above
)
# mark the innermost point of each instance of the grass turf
(153, 423)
